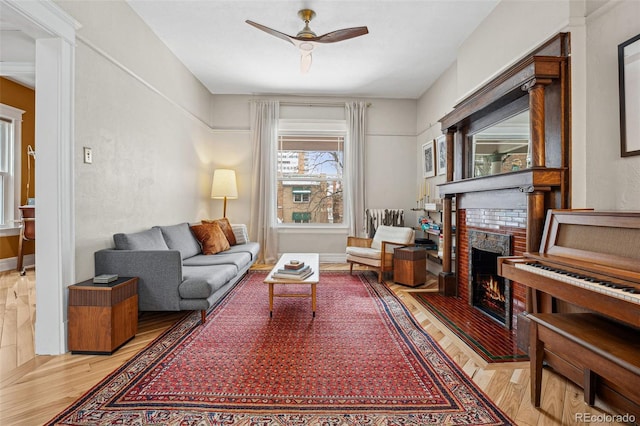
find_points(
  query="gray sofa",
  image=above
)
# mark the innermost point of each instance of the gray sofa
(173, 274)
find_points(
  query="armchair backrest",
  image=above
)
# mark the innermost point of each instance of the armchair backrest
(394, 234)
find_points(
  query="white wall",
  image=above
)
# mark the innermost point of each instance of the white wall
(390, 160)
(512, 29)
(144, 116)
(613, 182)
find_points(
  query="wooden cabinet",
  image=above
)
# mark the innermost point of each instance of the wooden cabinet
(102, 317)
(410, 266)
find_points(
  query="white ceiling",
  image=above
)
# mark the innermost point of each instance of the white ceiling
(410, 43)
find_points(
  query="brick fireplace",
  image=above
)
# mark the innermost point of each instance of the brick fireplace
(490, 233)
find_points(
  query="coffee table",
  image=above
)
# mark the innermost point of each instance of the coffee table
(312, 259)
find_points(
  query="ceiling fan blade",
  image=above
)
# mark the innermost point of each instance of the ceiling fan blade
(305, 62)
(340, 35)
(273, 32)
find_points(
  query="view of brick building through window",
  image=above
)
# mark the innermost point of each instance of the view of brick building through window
(310, 187)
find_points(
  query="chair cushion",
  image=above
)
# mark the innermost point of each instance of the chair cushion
(151, 239)
(364, 260)
(366, 252)
(394, 234)
(179, 237)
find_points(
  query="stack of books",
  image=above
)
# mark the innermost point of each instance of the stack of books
(105, 278)
(294, 270)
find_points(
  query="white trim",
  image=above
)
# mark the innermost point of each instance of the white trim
(47, 16)
(13, 202)
(11, 263)
(333, 258)
(329, 257)
(16, 68)
(54, 32)
(310, 228)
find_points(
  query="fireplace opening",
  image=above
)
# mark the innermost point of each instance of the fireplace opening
(488, 287)
(489, 292)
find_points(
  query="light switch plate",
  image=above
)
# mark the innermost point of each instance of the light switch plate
(88, 156)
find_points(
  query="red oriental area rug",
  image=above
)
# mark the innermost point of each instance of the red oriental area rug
(363, 360)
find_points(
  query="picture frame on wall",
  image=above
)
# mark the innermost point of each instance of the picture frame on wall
(429, 159)
(441, 151)
(629, 96)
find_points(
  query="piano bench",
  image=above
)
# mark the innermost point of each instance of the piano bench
(586, 348)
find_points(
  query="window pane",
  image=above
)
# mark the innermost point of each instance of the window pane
(310, 179)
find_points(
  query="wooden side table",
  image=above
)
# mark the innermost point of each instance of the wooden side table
(102, 317)
(410, 266)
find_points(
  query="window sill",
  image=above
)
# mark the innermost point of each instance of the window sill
(312, 229)
(9, 230)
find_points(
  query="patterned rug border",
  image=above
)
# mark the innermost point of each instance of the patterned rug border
(396, 312)
(474, 344)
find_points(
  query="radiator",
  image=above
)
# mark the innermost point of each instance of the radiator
(377, 217)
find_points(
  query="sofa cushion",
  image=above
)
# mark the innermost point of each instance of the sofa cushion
(251, 247)
(226, 228)
(179, 237)
(211, 238)
(239, 260)
(201, 281)
(151, 239)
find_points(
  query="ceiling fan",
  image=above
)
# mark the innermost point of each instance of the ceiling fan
(306, 40)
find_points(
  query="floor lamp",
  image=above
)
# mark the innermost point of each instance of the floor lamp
(224, 186)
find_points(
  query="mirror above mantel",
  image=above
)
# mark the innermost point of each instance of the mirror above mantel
(503, 147)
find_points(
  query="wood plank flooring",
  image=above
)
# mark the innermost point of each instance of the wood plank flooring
(34, 388)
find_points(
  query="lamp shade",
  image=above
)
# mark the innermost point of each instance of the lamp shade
(224, 184)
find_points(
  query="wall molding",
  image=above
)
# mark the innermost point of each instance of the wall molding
(143, 81)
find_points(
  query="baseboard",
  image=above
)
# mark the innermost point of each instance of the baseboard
(333, 257)
(12, 262)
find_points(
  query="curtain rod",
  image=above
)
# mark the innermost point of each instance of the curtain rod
(316, 104)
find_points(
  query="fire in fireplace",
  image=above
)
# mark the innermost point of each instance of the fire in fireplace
(489, 292)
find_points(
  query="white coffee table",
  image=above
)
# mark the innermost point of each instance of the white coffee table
(312, 259)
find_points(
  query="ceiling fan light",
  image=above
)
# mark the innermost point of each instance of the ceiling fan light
(305, 62)
(306, 47)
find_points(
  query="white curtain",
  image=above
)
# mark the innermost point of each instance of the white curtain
(264, 133)
(354, 170)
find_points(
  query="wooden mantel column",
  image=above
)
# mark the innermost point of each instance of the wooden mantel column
(535, 87)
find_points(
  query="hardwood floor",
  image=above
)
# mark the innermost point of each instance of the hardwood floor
(34, 388)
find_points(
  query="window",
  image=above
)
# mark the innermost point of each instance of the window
(310, 172)
(10, 143)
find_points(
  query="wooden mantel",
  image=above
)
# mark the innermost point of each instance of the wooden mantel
(538, 83)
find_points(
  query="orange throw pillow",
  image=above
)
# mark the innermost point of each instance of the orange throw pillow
(211, 238)
(226, 228)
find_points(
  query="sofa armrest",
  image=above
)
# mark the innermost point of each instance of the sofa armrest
(159, 274)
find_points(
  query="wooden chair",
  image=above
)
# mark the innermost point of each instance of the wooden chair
(377, 252)
(27, 233)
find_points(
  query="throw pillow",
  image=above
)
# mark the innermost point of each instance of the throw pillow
(226, 228)
(241, 234)
(211, 238)
(179, 237)
(151, 239)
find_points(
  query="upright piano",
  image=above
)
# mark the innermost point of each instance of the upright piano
(585, 286)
